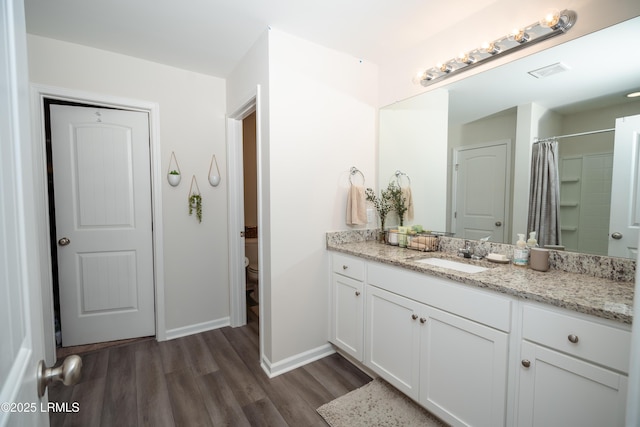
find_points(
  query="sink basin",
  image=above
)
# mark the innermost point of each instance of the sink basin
(452, 265)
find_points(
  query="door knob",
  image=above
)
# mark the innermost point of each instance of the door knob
(498, 223)
(64, 241)
(69, 373)
(616, 235)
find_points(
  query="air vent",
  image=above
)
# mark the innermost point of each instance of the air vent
(549, 70)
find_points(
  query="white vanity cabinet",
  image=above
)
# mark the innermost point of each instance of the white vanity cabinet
(573, 370)
(440, 343)
(347, 289)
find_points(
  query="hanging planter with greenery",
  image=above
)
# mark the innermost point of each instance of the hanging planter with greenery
(195, 199)
(173, 176)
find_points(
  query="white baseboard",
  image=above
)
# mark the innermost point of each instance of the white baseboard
(183, 331)
(293, 362)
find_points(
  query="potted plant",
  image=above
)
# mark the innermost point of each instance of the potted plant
(398, 201)
(195, 203)
(174, 177)
(382, 205)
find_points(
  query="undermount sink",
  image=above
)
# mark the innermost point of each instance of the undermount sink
(452, 265)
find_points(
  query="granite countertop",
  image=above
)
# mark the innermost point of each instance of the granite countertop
(583, 293)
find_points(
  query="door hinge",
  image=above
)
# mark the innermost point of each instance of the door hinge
(455, 215)
(457, 164)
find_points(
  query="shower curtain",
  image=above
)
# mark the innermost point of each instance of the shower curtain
(544, 198)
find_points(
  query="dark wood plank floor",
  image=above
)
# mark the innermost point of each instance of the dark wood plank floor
(209, 379)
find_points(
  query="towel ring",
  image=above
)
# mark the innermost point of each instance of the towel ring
(353, 172)
(399, 176)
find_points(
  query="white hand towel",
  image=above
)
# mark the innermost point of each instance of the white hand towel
(356, 206)
(408, 202)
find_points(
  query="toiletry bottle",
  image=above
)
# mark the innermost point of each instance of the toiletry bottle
(521, 252)
(532, 242)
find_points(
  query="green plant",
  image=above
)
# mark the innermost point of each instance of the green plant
(398, 201)
(382, 204)
(195, 202)
(174, 172)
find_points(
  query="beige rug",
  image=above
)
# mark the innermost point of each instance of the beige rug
(376, 404)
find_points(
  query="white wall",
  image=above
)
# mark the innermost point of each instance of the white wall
(322, 121)
(192, 111)
(412, 134)
(498, 19)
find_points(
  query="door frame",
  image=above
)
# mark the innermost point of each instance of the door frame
(508, 179)
(237, 279)
(38, 93)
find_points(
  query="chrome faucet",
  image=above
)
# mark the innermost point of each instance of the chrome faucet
(466, 251)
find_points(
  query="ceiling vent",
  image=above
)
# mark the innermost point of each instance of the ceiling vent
(549, 70)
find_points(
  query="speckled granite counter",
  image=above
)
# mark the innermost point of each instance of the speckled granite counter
(597, 296)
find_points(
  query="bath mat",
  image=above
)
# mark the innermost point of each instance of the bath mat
(376, 404)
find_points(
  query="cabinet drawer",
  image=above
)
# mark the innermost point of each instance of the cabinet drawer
(589, 340)
(348, 266)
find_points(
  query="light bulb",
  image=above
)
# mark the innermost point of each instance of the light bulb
(519, 36)
(551, 19)
(445, 68)
(465, 58)
(490, 48)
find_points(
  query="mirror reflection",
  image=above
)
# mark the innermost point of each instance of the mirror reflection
(467, 146)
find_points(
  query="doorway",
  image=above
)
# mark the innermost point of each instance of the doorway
(105, 260)
(250, 190)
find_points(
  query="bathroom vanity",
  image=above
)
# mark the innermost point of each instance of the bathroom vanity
(503, 346)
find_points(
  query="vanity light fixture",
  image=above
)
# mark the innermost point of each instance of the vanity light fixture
(553, 24)
(633, 95)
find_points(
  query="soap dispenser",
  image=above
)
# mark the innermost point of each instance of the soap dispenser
(521, 252)
(532, 242)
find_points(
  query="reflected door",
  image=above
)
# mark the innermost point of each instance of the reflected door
(103, 223)
(625, 200)
(480, 191)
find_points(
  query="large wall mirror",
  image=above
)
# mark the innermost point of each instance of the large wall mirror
(466, 147)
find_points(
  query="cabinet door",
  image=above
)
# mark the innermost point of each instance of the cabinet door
(463, 370)
(392, 339)
(348, 315)
(560, 390)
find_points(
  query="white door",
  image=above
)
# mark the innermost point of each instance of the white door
(21, 332)
(625, 183)
(480, 192)
(101, 174)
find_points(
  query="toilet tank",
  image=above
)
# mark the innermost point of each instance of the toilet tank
(251, 250)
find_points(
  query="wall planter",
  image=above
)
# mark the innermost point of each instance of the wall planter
(173, 175)
(195, 199)
(214, 178)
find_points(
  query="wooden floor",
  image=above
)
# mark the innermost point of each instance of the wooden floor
(209, 379)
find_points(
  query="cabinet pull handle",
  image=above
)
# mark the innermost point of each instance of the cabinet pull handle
(423, 320)
(573, 338)
(414, 316)
(357, 293)
(526, 363)
(344, 267)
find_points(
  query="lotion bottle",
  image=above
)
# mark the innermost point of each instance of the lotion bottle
(521, 252)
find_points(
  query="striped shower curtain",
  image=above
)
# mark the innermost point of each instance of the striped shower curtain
(544, 198)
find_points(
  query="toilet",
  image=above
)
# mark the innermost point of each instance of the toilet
(251, 263)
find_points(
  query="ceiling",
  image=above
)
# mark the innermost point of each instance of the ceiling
(212, 36)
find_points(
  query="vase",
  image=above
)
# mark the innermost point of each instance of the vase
(173, 179)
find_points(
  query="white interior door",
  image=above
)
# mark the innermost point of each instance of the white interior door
(480, 186)
(625, 196)
(21, 332)
(101, 173)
